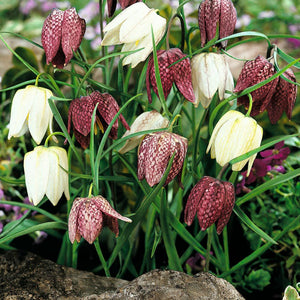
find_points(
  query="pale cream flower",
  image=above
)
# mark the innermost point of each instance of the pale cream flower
(30, 110)
(46, 174)
(146, 121)
(210, 73)
(234, 135)
(132, 27)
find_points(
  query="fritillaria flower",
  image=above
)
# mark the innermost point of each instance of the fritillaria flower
(62, 34)
(146, 121)
(213, 13)
(46, 174)
(179, 73)
(154, 154)
(253, 72)
(111, 5)
(30, 111)
(210, 73)
(284, 97)
(88, 216)
(132, 27)
(213, 201)
(234, 135)
(81, 111)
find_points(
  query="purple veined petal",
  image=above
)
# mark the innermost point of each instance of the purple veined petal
(212, 16)
(126, 3)
(211, 204)
(73, 29)
(201, 21)
(73, 222)
(52, 34)
(194, 199)
(157, 157)
(182, 73)
(111, 223)
(89, 220)
(111, 7)
(142, 153)
(103, 205)
(148, 83)
(229, 200)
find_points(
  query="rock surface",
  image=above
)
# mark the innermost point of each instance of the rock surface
(27, 276)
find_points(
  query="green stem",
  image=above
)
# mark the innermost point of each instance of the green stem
(250, 105)
(101, 257)
(209, 240)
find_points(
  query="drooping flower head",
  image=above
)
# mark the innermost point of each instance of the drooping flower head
(213, 13)
(62, 34)
(31, 111)
(234, 135)
(81, 111)
(179, 73)
(111, 5)
(154, 154)
(213, 201)
(88, 216)
(253, 72)
(132, 27)
(146, 121)
(46, 174)
(284, 97)
(210, 73)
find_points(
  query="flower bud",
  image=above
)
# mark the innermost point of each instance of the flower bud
(235, 135)
(210, 73)
(154, 154)
(213, 201)
(216, 12)
(62, 34)
(88, 216)
(146, 121)
(180, 74)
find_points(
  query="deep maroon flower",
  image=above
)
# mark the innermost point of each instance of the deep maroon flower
(213, 201)
(111, 5)
(253, 72)
(284, 97)
(180, 73)
(88, 216)
(61, 36)
(154, 154)
(213, 13)
(80, 114)
(277, 155)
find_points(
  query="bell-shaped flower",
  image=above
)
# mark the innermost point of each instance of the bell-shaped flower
(154, 154)
(210, 73)
(180, 73)
(81, 111)
(88, 216)
(213, 13)
(253, 72)
(234, 135)
(284, 97)
(212, 200)
(111, 5)
(62, 34)
(46, 174)
(132, 27)
(146, 121)
(31, 111)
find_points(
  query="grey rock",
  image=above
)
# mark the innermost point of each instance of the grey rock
(27, 276)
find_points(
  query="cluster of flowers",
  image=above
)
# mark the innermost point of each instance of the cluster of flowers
(46, 168)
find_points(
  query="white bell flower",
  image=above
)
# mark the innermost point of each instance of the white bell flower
(46, 174)
(132, 27)
(30, 110)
